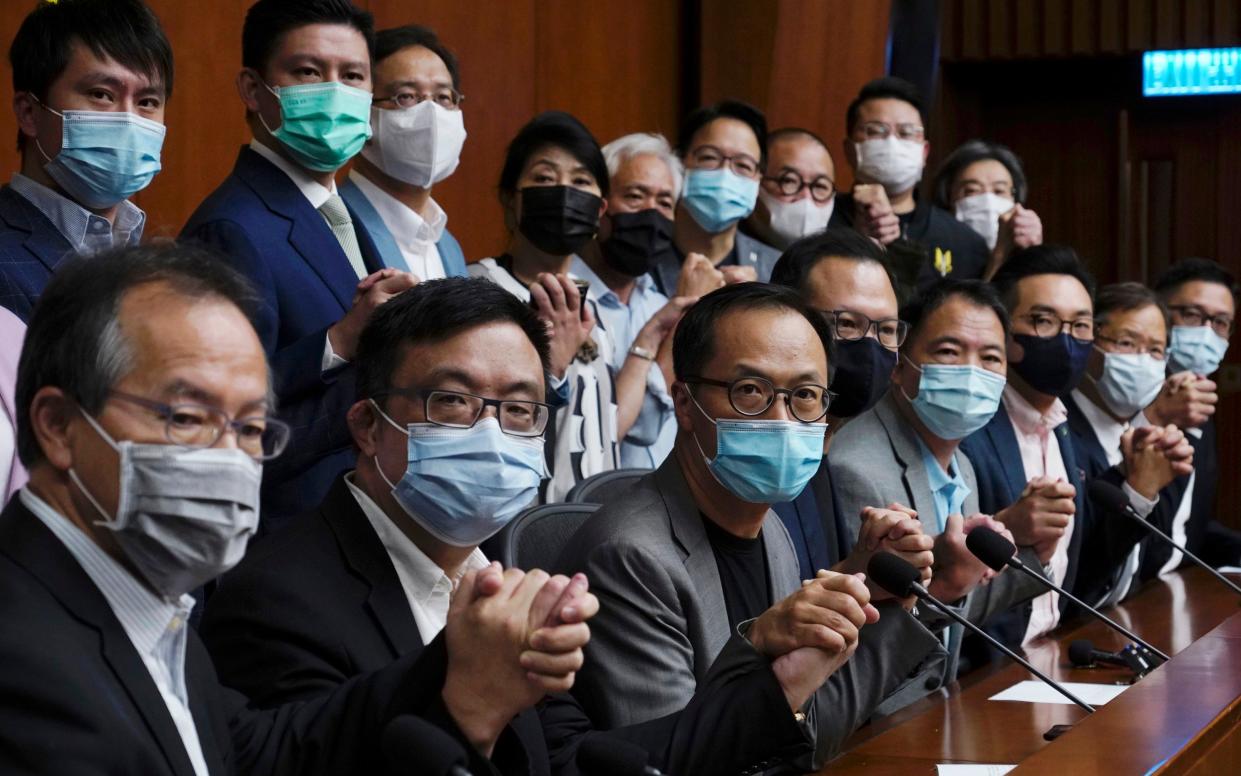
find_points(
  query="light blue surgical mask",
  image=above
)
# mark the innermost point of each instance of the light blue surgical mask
(717, 199)
(464, 484)
(1197, 349)
(105, 157)
(1130, 381)
(322, 124)
(955, 400)
(764, 461)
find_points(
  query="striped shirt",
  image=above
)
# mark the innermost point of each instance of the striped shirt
(87, 232)
(156, 627)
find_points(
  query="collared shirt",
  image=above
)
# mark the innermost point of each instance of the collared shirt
(947, 487)
(427, 588)
(87, 232)
(650, 438)
(415, 236)
(155, 627)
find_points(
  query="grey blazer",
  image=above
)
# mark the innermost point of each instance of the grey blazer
(750, 253)
(662, 619)
(876, 459)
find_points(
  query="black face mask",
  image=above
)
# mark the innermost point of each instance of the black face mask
(639, 240)
(558, 219)
(863, 373)
(1052, 365)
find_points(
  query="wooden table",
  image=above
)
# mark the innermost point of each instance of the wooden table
(1185, 717)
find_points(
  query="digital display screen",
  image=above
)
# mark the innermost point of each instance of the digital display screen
(1191, 72)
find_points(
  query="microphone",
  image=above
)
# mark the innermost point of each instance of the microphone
(997, 552)
(899, 578)
(1112, 498)
(604, 755)
(1082, 654)
(411, 743)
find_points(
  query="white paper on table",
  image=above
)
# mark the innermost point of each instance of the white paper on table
(972, 769)
(1032, 691)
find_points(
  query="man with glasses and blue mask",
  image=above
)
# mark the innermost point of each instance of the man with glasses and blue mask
(694, 555)
(722, 147)
(145, 421)
(448, 428)
(306, 86)
(91, 79)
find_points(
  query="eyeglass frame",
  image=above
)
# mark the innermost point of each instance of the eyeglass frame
(166, 411)
(917, 131)
(1060, 328)
(457, 96)
(424, 394)
(828, 395)
(873, 324)
(725, 160)
(802, 183)
(1207, 320)
(1163, 356)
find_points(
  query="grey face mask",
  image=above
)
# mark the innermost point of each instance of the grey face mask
(184, 515)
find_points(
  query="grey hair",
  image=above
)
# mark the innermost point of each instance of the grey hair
(624, 148)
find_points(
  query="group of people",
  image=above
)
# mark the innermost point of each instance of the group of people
(252, 474)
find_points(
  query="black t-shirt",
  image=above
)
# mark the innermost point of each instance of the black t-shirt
(743, 573)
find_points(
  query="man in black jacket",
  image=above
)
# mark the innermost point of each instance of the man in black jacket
(144, 400)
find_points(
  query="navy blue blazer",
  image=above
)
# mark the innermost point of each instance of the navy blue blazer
(30, 249)
(266, 227)
(451, 255)
(820, 536)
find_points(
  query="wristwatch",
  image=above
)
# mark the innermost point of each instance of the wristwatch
(641, 352)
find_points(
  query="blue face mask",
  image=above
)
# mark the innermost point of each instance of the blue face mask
(1197, 349)
(764, 461)
(1130, 381)
(955, 400)
(464, 484)
(1052, 365)
(322, 124)
(717, 199)
(104, 157)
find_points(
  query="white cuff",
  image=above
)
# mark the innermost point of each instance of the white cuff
(1141, 504)
(330, 360)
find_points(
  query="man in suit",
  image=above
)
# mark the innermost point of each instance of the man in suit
(144, 399)
(1026, 449)
(722, 147)
(904, 450)
(417, 127)
(90, 82)
(693, 554)
(368, 576)
(306, 84)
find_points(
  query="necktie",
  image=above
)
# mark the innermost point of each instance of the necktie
(337, 216)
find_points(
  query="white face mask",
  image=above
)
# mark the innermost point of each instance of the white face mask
(791, 221)
(420, 146)
(981, 212)
(894, 163)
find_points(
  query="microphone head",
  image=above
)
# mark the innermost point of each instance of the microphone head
(1107, 495)
(604, 755)
(990, 547)
(1081, 653)
(410, 742)
(893, 574)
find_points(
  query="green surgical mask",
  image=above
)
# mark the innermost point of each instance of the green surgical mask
(324, 124)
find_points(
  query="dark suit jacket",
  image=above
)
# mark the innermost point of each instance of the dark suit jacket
(76, 698)
(30, 249)
(819, 538)
(263, 223)
(749, 253)
(321, 602)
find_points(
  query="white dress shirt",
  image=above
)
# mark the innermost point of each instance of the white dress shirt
(415, 236)
(427, 588)
(155, 627)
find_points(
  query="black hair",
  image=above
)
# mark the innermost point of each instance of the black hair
(1123, 297)
(976, 292)
(559, 129)
(693, 345)
(1046, 259)
(434, 311)
(976, 151)
(799, 260)
(124, 30)
(74, 341)
(888, 87)
(389, 42)
(725, 109)
(1187, 270)
(268, 21)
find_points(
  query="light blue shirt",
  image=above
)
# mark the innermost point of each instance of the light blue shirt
(947, 487)
(156, 627)
(650, 439)
(87, 232)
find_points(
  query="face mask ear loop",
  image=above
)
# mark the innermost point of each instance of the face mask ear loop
(107, 520)
(917, 368)
(375, 458)
(694, 434)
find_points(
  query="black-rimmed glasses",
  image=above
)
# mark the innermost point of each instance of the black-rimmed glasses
(752, 396)
(457, 409)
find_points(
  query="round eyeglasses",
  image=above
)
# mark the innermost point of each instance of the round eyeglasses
(752, 396)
